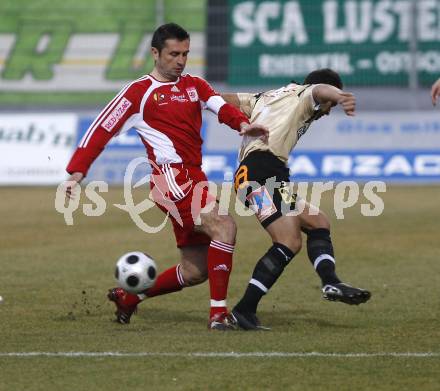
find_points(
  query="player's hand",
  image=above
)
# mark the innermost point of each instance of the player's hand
(254, 130)
(435, 92)
(348, 102)
(71, 183)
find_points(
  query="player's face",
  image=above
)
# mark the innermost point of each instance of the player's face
(171, 61)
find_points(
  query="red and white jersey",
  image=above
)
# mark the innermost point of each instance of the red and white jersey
(166, 115)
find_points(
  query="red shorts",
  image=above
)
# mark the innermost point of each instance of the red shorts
(181, 191)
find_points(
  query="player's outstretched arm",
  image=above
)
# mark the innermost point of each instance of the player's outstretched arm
(435, 92)
(232, 99)
(327, 94)
(254, 130)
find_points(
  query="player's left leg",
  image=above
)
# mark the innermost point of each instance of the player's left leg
(262, 183)
(190, 271)
(320, 251)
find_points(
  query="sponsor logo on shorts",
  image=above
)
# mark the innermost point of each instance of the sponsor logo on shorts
(116, 115)
(192, 93)
(287, 194)
(262, 203)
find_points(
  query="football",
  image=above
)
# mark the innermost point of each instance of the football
(135, 272)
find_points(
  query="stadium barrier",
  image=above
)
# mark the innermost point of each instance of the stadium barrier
(391, 147)
(34, 147)
(384, 146)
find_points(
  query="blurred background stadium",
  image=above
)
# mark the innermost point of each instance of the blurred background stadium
(60, 62)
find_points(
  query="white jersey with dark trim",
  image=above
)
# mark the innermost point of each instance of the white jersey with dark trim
(287, 112)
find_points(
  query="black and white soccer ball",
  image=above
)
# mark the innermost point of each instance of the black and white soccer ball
(135, 272)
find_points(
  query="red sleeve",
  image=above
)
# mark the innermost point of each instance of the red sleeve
(108, 123)
(231, 116)
(204, 89)
(227, 114)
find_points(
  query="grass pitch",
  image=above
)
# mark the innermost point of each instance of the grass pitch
(54, 278)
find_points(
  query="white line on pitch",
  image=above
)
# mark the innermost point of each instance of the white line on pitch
(220, 354)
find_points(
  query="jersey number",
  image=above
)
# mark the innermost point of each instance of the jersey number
(241, 177)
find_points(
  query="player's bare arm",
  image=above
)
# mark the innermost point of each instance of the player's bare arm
(231, 98)
(327, 94)
(254, 130)
(435, 92)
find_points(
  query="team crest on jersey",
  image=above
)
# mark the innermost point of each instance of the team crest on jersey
(115, 116)
(192, 93)
(160, 98)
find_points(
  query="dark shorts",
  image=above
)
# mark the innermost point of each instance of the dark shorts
(262, 183)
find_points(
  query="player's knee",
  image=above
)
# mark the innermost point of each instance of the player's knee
(292, 243)
(223, 228)
(320, 221)
(324, 221)
(230, 226)
(295, 244)
(194, 276)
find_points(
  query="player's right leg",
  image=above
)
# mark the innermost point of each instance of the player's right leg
(222, 231)
(203, 224)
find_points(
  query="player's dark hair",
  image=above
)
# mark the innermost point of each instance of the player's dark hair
(324, 76)
(168, 31)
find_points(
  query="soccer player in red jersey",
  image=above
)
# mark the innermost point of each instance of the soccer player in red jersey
(165, 107)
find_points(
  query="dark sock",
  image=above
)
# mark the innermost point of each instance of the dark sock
(266, 272)
(321, 255)
(251, 298)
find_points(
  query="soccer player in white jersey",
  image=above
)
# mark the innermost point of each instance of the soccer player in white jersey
(262, 182)
(165, 108)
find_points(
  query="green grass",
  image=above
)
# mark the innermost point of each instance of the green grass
(54, 279)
